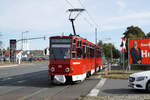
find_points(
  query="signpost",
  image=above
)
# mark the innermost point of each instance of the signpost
(124, 50)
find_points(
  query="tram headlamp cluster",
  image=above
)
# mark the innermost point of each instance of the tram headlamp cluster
(52, 69)
(67, 69)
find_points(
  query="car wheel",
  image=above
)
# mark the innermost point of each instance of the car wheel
(148, 87)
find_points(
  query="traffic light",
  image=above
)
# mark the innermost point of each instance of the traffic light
(13, 50)
(44, 37)
(45, 51)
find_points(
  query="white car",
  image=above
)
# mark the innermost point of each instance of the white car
(140, 80)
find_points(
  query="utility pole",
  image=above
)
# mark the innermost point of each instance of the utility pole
(95, 35)
(23, 39)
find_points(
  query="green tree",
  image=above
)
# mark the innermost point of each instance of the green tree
(133, 32)
(100, 43)
(148, 34)
(107, 47)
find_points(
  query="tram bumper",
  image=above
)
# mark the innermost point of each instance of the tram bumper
(59, 79)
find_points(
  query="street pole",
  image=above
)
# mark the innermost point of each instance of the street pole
(2, 56)
(123, 60)
(95, 35)
(22, 41)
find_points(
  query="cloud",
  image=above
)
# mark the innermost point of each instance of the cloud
(33, 14)
(121, 4)
(118, 22)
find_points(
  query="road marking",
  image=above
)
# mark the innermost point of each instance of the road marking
(96, 89)
(8, 66)
(28, 96)
(6, 79)
(21, 81)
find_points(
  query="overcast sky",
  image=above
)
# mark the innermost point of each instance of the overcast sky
(49, 17)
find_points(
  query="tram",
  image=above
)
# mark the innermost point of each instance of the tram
(73, 58)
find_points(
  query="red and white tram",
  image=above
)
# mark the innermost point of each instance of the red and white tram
(73, 58)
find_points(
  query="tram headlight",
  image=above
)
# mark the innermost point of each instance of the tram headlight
(52, 69)
(67, 69)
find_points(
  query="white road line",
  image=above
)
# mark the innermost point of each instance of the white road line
(6, 79)
(96, 89)
(8, 66)
(21, 81)
(28, 96)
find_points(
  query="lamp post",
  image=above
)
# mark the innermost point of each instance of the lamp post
(23, 39)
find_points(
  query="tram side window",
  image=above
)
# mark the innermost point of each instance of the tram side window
(88, 51)
(92, 52)
(74, 49)
(99, 53)
(84, 50)
(79, 49)
(78, 44)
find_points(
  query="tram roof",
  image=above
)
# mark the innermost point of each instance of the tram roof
(75, 37)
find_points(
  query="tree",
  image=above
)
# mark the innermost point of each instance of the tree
(133, 32)
(100, 43)
(107, 47)
(148, 34)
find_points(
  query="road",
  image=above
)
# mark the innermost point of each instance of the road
(115, 87)
(30, 82)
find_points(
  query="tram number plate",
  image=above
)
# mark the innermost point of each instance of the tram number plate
(59, 66)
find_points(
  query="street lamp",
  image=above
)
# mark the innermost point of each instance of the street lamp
(23, 40)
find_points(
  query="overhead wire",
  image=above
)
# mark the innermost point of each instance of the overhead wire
(88, 14)
(84, 18)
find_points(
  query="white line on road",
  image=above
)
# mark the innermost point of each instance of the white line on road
(5, 66)
(28, 96)
(21, 81)
(6, 79)
(96, 89)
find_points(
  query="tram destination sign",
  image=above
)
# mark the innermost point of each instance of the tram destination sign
(61, 40)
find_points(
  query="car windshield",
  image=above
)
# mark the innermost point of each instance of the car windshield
(60, 51)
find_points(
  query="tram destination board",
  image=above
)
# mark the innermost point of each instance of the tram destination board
(61, 40)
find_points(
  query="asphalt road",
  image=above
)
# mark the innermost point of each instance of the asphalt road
(30, 82)
(114, 87)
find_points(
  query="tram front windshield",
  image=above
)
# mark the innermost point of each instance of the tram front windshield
(60, 48)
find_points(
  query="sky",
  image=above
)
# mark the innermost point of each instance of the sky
(50, 18)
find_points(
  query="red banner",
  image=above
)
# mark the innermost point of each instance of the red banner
(139, 51)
